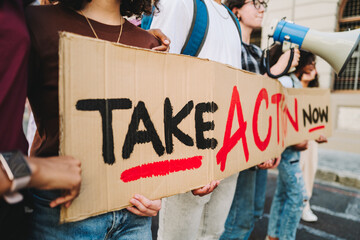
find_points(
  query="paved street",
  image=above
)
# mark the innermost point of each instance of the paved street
(337, 207)
(338, 166)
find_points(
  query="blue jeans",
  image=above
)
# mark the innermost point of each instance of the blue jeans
(247, 205)
(289, 199)
(113, 225)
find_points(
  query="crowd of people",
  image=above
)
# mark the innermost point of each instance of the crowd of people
(29, 69)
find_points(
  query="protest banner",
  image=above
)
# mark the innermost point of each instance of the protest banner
(160, 124)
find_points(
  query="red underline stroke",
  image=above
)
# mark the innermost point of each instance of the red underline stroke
(162, 168)
(316, 128)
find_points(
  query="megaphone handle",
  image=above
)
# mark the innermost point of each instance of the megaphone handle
(287, 46)
(267, 63)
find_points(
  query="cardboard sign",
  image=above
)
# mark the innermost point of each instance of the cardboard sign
(160, 124)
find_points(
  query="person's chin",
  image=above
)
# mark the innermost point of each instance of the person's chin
(259, 23)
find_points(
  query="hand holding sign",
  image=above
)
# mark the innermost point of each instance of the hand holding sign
(276, 162)
(301, 146)
(321, 139)
(267, 164)
(57, 173)
(165, 41)
(206, 189)
(270, 164)
(144, 206)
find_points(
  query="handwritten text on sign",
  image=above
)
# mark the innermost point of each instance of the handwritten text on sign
(150, 135)
(161, 124)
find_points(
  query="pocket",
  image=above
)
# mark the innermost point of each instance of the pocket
(43, 197)
(294, 161)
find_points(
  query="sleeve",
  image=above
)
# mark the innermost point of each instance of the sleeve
(286, 81)
(174, 20)
(34, 61)
(243, 57)
(262, 64)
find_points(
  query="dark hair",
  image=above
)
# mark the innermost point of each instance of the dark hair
(127, 8)
(307, 58)
(234, 4)
(314, 82)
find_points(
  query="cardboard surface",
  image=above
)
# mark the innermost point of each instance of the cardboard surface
(159, 124)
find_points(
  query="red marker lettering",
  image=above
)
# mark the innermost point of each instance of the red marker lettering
(231, 141)
(294, 123)
(262, 145)
(276, 99)
(162, 168)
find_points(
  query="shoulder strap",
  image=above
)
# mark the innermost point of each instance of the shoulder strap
(198, 30)
(236, 21)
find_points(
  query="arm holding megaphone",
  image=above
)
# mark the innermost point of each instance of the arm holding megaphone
(334, 47)
(283, 61)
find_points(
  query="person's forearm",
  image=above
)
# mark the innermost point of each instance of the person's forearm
(5, 183)
(51, 173)
(34, 170)
(276, 69)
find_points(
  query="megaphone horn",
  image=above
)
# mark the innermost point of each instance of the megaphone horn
(334, 47)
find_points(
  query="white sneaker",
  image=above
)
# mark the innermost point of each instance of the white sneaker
(308, 215)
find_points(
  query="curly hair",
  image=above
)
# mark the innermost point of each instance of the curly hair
(127, 7)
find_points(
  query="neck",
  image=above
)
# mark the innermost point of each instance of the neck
(245, 33)
(104, 11)
(218, 1)
(305, 84)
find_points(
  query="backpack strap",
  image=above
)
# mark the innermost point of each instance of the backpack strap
(198, 30)
(236, 21)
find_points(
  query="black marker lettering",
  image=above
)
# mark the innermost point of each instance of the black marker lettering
(134, 136)
(324, 114)
(202, 126)
(316, 119)
(307, 116)
(171, 125)
(105, 107)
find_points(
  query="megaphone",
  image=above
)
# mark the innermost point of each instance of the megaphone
(334, 47)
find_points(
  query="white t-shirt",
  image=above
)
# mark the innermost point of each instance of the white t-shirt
(222, 43)
(290, 81)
